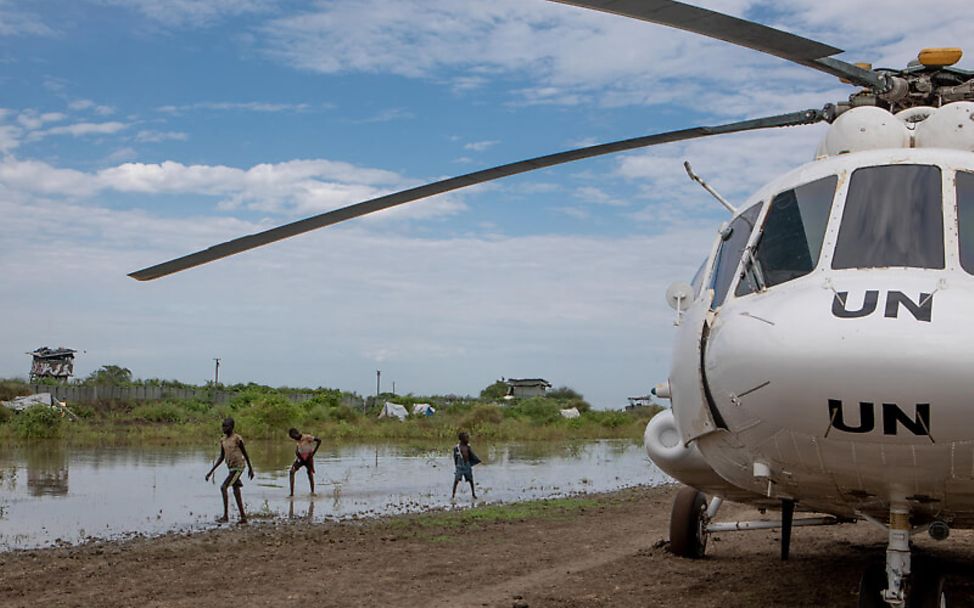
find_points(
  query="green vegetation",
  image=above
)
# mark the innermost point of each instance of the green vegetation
(432, 525)
(37, 422)
(266, 412)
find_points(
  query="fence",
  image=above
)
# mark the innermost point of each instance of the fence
(92, 394)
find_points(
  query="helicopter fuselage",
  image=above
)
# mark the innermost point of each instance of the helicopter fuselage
(845, 388)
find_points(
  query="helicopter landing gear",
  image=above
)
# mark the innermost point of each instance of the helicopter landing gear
(898, 585)
(926, 590)
(688, 523)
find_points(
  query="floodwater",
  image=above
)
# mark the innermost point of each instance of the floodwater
(51, 494)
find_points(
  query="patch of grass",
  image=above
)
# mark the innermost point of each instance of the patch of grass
(550, 509)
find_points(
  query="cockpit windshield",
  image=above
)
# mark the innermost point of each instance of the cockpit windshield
(965, 219)
(791, 242)
(893, 217)
(733, 242)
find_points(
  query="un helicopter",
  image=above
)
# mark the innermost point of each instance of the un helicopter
(820, 359)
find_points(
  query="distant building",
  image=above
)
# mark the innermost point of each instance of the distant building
(638, 402)
(57, 363)
(527, 387)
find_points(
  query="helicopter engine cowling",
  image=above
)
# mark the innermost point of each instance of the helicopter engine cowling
(872, 128)
(664, 445)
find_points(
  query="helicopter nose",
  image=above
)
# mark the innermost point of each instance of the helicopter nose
(800, 362)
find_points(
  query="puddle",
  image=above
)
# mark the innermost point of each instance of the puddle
(52, 494)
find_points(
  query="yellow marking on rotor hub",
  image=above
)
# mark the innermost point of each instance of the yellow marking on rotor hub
(939, 58)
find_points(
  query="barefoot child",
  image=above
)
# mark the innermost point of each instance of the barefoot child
(464, 459)
(233, 451)
(304, 454)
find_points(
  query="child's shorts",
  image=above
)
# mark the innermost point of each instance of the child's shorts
(234, 478)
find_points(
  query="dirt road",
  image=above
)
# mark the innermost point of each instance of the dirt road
(597, 551)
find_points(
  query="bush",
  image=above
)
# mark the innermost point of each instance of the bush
(270, 414)
(5, 415)
(612, 419)
(344, 413)
(159, 412)
(38, 422)
(538, 410)
(496, 390)
(10, 389)
(481, 415)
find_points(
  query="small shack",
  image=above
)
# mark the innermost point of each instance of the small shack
(527, 387)
(57, 363)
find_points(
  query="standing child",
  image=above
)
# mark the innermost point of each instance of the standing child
(304, 454)
(464, 459)
(233, 451)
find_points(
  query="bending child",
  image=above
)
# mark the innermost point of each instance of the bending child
(304, 454)
(233, 451)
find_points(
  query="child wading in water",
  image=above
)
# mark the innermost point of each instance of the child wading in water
(304, 454)
(464, 459)
(233, 451)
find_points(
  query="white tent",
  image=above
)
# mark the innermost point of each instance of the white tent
(423, 409)
(571, 412)
(393, 410)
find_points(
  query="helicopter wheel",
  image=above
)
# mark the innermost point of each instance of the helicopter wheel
(871, 587)
(688, 536)
(927, 590)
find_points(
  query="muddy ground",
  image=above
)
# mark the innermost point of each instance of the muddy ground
(600, 552)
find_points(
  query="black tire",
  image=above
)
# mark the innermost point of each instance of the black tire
(687, 535)
(871, 587)
(926, 590)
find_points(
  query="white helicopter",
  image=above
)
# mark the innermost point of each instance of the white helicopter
(819, 363)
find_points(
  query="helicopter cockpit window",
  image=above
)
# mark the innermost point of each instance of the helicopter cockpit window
(791, 242)
(697, 281)
(734, 240)
(965, 219)
(893, 217)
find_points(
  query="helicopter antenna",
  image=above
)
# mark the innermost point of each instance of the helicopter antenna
(706, 186)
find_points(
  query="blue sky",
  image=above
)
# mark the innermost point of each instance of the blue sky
(134, 131)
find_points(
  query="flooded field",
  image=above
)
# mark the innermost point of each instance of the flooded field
(50, 494)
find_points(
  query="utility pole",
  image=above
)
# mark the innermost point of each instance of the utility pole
(378, 379)
(216, 372)
(393, 387)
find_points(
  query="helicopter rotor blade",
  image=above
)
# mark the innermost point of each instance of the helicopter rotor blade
(258, 239)
(742, 32)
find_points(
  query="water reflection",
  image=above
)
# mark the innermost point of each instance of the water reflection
(309, 513)
(47, 471)
(115, 491)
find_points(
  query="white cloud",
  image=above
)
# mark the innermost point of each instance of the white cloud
(591, 194)
(87, 104)
(388, 115)
(15, 22)
(193, 13)
(31, 119)
(157, 136)
(81, 129)
(247, 106)
(9, 138)
(480, 146)
(299, 187)
(576, 56)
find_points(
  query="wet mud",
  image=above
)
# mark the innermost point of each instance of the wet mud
(609, 551)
